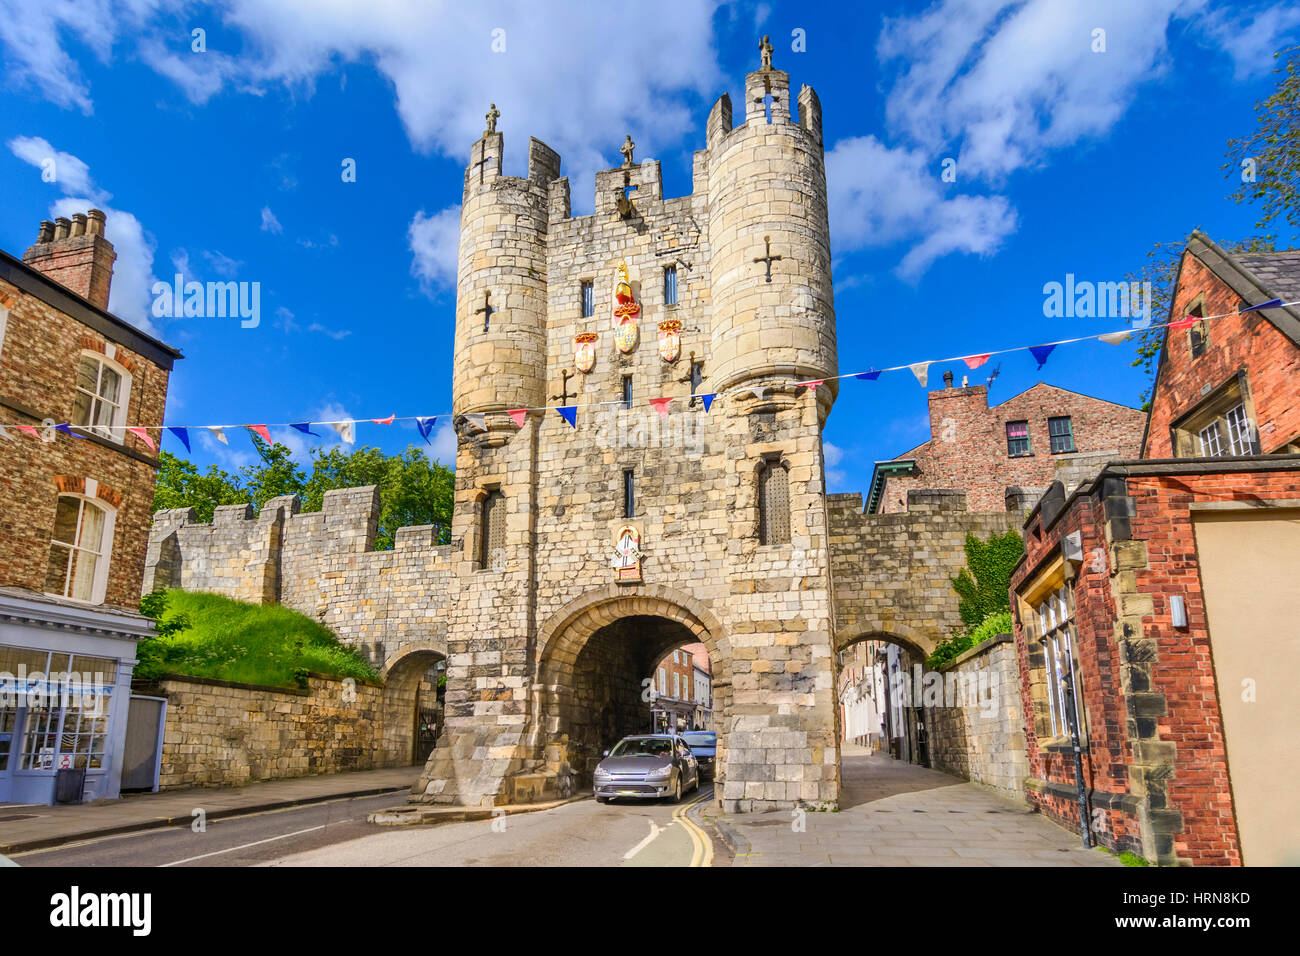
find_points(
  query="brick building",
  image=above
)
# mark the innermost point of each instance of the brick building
(1005, 456)
(77, 494)
(1155, 611)
(677, 704)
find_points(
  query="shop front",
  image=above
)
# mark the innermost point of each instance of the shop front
(65, 680)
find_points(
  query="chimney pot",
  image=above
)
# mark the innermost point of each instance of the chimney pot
(78, 224)
(947, 379)
(95, 222)
(46, 232)
(61, 227)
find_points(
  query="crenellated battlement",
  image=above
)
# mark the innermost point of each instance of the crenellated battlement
(322, 563)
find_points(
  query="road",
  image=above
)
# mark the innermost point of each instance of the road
(584, 833)
(336, 833)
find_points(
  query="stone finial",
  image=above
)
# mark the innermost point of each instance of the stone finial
(46, 232)
(492, 115)
(626, 149)
(765, 52)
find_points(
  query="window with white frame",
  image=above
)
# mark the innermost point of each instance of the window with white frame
(79, 549)
(1211, 441)
(1219, 425)
(1241, 436)
(100, 402)
(1056, 635)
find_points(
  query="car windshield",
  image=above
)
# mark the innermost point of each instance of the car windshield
(643, 747)
(700, 740)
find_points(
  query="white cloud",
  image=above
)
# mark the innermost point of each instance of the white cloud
(71, 174)
(835, 477)
(130, 296)
(880, 196)
(1252, 40)
(434, 242)
(335, 334)
(33, 34)
(221, 263)
(269, 222)
(444, 444)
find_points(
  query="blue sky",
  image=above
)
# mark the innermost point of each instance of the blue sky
(225, 164)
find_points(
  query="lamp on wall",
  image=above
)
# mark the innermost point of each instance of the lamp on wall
(1072, 552)
(1178, 610)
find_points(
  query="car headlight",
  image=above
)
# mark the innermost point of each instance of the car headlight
(663, 773)
(602, 772)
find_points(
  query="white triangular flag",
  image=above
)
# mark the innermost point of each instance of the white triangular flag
(1114, 338)
(218, 433)
(347, 431)
(922, 372)
(478, 420)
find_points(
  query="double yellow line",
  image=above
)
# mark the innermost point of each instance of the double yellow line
(702, 852)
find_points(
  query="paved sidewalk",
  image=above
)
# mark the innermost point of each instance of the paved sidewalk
(896, 814)
(33, 828)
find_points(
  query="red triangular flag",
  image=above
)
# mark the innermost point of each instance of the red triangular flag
(29, 430)
(385, 421)
(1183, 323)
(261, 431)
(518, 414)
(660, 405)
(144, 437)
(812, 385)
(975, 361)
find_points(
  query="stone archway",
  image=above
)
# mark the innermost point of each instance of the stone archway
(404, 672)
(593, 655)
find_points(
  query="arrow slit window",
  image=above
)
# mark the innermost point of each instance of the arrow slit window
(773, 502)
(492, 533)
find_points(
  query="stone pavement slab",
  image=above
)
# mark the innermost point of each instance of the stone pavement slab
(896, 814)
(25, 828)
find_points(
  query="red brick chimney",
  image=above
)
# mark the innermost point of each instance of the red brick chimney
(75, 254)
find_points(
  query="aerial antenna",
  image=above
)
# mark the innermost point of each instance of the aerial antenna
(996, 371)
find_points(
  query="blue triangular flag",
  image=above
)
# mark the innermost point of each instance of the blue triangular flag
(569, 413)
(1040, 353)
(708, 400)
(1270, 304)
(425, 425)
(181, 433)
(870, 376)
(304, 427)
(67, 431)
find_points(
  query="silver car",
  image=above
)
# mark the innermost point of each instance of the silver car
(646, 767)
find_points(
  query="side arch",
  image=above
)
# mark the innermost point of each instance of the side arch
(920, 644)
(403, 671)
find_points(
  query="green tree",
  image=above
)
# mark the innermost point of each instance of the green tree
(1268, 160)
(151, 653)
(180, 485)
(983, 584)
(278, 474)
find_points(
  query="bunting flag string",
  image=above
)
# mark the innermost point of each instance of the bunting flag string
(569, 413)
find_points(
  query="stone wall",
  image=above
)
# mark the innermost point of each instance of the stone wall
(224, 734)
(981, 735)
(893, 573)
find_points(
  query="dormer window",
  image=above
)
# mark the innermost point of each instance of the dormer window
(1219, 426)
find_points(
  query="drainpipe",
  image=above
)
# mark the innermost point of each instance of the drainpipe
(1072, 716)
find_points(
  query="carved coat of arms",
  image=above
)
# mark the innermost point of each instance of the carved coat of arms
(627, 554)
(626, 310)
(584, 351)
(670, 340)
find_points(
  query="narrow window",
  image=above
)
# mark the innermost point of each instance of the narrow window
(1241, 436)
(588, 299)
(629, 494)
(1017, 439)
(1060, 434)
(98, 402)
(78, 556)
(697, 377)
(1211, 441)
(492, 532)
(1199, 338)
(663, 681)
(670, 285)
(773, 503)
(627, 391)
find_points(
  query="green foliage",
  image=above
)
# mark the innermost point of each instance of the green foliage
(982, 585)
(413, 490)
(998, 622)
(1274, 148)
(206, 635)
(180, 485)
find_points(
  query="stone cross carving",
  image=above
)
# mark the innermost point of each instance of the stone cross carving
(767, 99)
(626, 150)
(492, 115)
(768, 258)
(487, 310)
(765, 52)
(483, 160)
(563, 397)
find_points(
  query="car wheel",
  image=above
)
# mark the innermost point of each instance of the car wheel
(677, 790)
(602, 799)
(696, 785)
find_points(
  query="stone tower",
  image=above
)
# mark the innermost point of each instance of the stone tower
(584, 554)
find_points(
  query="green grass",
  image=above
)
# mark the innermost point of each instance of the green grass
(1127, 858)
(247, 643)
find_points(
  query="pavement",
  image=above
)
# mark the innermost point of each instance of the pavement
(896, 814)
(24, 828)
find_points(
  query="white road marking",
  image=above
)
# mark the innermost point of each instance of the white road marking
(654, 832)
(243, 846)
